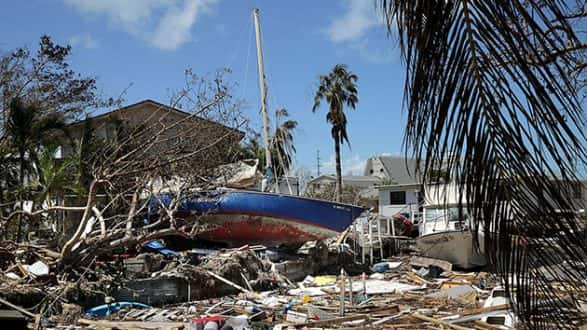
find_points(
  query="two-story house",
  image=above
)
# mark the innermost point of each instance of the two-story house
(400, 190)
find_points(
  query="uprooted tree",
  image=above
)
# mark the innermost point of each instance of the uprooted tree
(117, 166)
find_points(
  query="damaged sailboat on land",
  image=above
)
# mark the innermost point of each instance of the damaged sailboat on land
(238, 217)
(447, 233)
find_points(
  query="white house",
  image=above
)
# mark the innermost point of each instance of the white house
(392, 169)
(400, 198)
(400, 191)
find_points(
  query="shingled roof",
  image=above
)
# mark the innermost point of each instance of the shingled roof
(399, 170)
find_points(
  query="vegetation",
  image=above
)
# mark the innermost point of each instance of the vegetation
(282, 147)
(349, 194)
(497, 86)
(26, 131)
(339, 90)
(112, 167)
(45, 79)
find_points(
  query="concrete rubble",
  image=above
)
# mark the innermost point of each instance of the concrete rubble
(319, 286)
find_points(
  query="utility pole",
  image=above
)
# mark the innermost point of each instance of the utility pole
(318, 162)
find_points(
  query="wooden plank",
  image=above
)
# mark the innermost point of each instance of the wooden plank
(234, 285)
(426, 262)
(134, 324)
(437, 321)
(485, 325)
(485, 310)
(337, 320)
(414, 277)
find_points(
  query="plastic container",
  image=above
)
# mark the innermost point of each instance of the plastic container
(202, 322)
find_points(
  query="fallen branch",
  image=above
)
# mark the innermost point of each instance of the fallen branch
(18, 308)
(234, 285)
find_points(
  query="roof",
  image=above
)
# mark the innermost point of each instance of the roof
(392, 186)
(358, 178)
(347, 178)
(158, 105)
(400, 170)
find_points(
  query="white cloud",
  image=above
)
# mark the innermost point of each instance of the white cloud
(360, 16)
(354, 28)
(83, 41)
(128, 14)
(373, 53)
(174, 28)
(165, 24)
(354, 165)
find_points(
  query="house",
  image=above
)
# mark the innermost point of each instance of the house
(392, 169)
(400, 188)
(179, 129)
(400, 198)
(164, 133)
(390, 179)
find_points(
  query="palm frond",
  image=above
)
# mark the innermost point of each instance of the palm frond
(282, 147)
(488, 92)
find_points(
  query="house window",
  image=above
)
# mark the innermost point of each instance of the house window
(397, 197)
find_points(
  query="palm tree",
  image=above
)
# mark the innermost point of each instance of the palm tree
(27, 129)
(339, 89)
(282, 147)
(490, 84)
(55, 176)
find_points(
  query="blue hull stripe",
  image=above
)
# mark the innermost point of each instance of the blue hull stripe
(332, 215)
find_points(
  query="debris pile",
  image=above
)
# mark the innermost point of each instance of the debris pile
(316, 287)
(403, 296)
(35, 284)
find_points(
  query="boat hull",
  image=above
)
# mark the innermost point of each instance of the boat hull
(244, 217)
(456, 247)
(238, 229)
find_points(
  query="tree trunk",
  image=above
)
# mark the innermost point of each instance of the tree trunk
(338, 186)
(5, 231)
(131, 214)
(66, 250)
(20, 195)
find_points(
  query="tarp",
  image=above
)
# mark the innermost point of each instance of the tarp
(157, 246)
(241, 174)
(108, 309)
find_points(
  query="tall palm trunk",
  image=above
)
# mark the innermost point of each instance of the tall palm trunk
(338, 186)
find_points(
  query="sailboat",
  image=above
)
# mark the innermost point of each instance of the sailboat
(446, 233)
(238, 217)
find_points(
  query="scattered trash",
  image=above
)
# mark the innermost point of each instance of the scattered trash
(382, 267)
(242, 288)
(377, 276)
(157, 246)
(39, 268)
(324, 280)
(109, 309)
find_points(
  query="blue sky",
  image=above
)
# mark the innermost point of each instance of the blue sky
(149, 43)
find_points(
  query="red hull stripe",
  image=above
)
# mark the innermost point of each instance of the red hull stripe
(268, 215)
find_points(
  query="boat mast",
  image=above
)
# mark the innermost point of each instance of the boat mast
(262, 87)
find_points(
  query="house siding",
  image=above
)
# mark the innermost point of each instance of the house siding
(411, 205)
